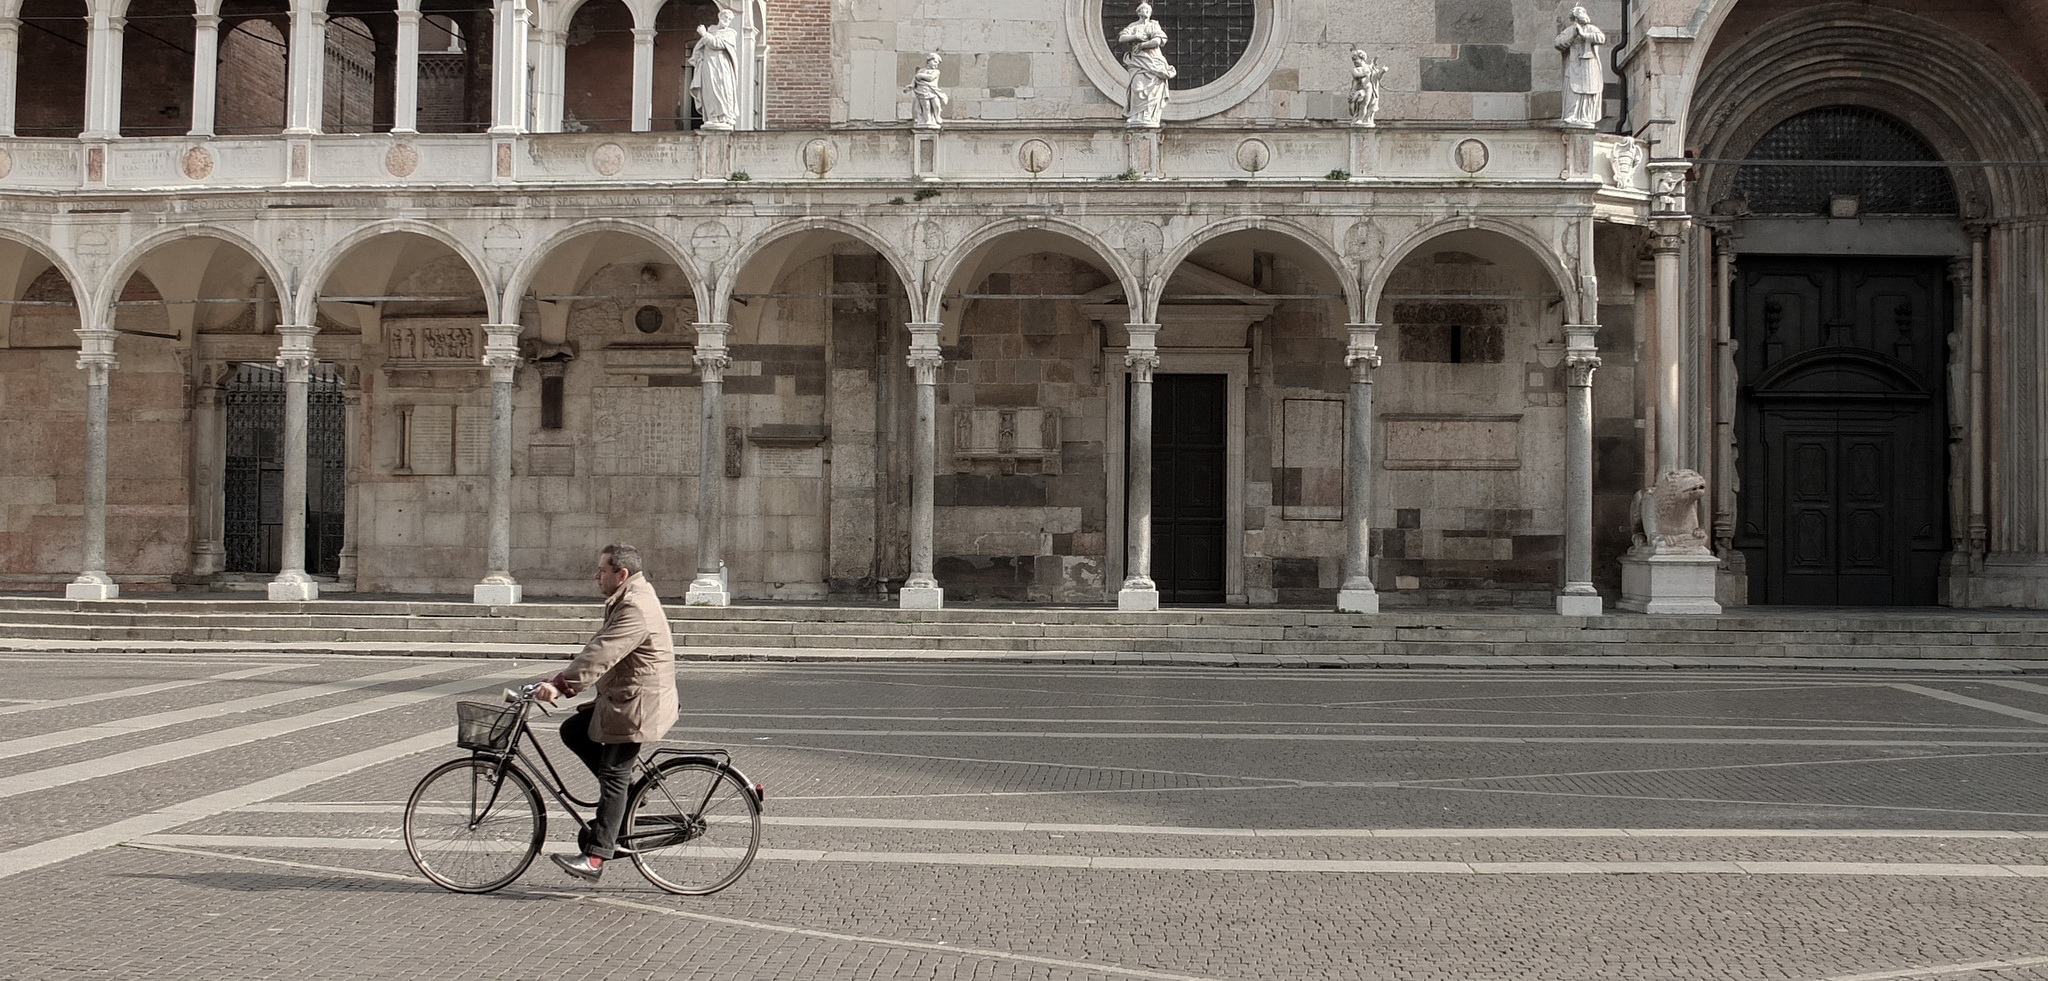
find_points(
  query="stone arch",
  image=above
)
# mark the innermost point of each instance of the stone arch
(788, 238)
(1318, 245)
(987, 249)
(132, 261)
(1537, 249)
(530, 267)
(1930, 77)
(306, 298)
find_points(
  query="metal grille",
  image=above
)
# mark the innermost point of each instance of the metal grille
(252, 532)
(1204, 38)
(1846, 133)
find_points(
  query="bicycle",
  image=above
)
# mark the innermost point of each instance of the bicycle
(474, 824)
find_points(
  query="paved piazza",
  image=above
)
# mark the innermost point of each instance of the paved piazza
(228, 817)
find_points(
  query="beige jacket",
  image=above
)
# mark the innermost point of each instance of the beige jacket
(633, 664)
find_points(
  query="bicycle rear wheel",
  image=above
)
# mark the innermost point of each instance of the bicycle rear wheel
(469, 831)
(693, 827)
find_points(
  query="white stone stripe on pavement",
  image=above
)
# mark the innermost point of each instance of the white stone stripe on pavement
(1117, 863)
(1038, 827)
(1349, 737)
(1939, 970)
(1085, 967)
(70, 773)
(209, 710)
(30, 705)
(1976, 703)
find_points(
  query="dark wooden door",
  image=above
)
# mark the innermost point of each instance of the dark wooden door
(1844, 474)
(1190, 454)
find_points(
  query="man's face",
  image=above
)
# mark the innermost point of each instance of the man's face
(608, 578)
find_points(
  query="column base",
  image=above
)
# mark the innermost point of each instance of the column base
(489, 593)
(1580, 605)
(1681, 584)
(91, 587)
(299, 589)
(707, 592)
(921, 598)
(1140, 599)
(1358, 601)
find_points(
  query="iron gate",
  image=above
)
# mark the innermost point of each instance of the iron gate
(254, 529)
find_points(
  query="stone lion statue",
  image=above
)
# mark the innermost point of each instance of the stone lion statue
(1666, 514)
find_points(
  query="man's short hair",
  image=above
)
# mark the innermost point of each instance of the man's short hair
(625, 558)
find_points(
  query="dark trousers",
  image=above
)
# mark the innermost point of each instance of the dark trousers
(612, 764)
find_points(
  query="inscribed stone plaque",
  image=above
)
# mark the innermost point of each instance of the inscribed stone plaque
(1312, 460)
(419, 342)
(645, 430)
(784, 461)
(472, 439)
(550, 460)
(1444, 442)
(433, 439)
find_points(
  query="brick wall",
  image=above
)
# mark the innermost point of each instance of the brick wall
(50, 93)
(250, 97)
(799, 85)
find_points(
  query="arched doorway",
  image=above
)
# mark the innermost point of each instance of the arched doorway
(254, 472)
(1841, 362)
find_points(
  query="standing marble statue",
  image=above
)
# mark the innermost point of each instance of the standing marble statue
(927, 102)
(1366, 73)
(715, 84)
(1584, 80)
(1144, 42)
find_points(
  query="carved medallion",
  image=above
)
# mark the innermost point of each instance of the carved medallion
(92, 249)
(1365, 242)
(1628, 160)
(819, 156)
(293, 244)
(1472, 156)
(927, 240)
(1144, 241)
(198, 163)
(401, 160)
(502, 244)
(6, 162)
(711, 242)
(1035, 156)
(608, 159)
(1254, 156)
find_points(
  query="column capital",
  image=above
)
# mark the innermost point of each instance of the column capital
(207, 21)
(96, 346)
(1667, 185)
(501, 350)
(295, 353)
(410, 16)
(1364, 348)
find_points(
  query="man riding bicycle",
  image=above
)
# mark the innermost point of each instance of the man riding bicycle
(631, 662)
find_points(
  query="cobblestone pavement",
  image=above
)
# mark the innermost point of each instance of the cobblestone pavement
(237, 816)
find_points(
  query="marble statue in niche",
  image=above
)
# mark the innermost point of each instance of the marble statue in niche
(1366, 74)
(1584, 80)
(927, 102)
(715, 84)
(1144, 43)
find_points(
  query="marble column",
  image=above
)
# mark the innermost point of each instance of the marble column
(405, 99)
(305, 100)
(709, 588)
(508, 75)
(96, 359)
(501, 356)
(548, 80)
(351, 481)
(295, 357)
(103, 75)
(643, 79)
(921, 591)
(205, 72)
(1139, 592)
(10, 70)
(209, 460)
(1357, 594)
(1579, 598)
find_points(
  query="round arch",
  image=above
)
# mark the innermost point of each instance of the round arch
(306, 299)
(523, 274)
(130, 262)
(782, 237)
(1299, 234)
(53, 258)
(1526, 239)
(988, 248)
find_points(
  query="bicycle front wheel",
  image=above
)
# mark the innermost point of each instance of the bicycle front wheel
(472, 827)
(693, 828)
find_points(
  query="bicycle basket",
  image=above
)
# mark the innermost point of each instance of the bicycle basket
(485, 727)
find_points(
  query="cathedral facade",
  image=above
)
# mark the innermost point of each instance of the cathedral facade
(1662, 305)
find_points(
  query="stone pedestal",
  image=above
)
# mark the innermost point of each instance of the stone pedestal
(1140, 599)
(93, 588)
(1583, 604)
(496, 594)
(1669, 583)
(298, 589)
(1358, 601)
(921, 598)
